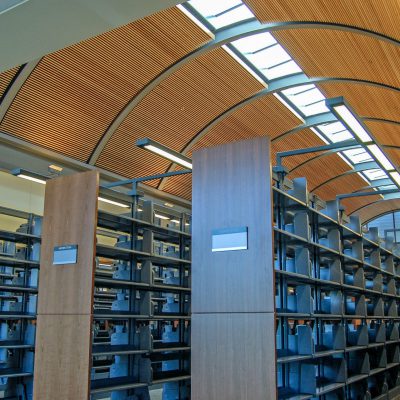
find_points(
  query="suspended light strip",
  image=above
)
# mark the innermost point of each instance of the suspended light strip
(34, 177)
(31, 178)
(343, 112)
(28, 175)
(114, 203)
(165, 152)
(380, 157)
(161, 216)
(396, 177)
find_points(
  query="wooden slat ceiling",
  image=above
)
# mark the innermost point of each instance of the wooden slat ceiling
(389, 135)
(266, 116)
(72, 97)
(378, 208)
(322, 52)
(176, 110)
(367, 101)
(74, 94)
(5, 79)
(376, 15)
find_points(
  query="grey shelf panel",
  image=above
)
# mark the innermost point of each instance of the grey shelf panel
(16, 316)
(118, 315)
(119, 253)
(14, 344)
(14, 373)
(119, 283)
(124, 223)
(17, 262)
(18, 237)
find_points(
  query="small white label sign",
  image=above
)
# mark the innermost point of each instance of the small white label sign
(229, 239)
(67, 254)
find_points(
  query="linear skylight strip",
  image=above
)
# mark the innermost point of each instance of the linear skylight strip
(222, 13)
(225, 11)
(244, 65)
(196, 20)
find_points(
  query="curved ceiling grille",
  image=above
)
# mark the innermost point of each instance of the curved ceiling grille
(74, 94)
(72, 97)
(375, 15)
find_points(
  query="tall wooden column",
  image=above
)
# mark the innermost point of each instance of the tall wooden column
(233, 295)
(65, 303)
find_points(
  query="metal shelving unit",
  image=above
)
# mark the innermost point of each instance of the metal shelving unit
(19, 265)
(142, 303)
(337, 302)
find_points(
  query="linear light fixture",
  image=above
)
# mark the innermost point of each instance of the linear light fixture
(114, 203)
(42, 179)
(345, 113)
(396, 177)
(161, 216)
(380, 156)
(165, 152)
(29, 175)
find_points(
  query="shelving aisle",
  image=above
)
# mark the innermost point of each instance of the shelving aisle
(337, 302)
(19, 265)
(142, 303)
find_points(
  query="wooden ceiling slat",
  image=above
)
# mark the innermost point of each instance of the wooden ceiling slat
(376, 15)
(320, 170)
(177, 109)
(5, 79)
(323, 52)
(385, 133)
(266, 116)
(379, 208)
(74, 94)
(367, 100)
(354, 204)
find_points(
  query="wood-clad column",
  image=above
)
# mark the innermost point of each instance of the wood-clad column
(65, 304)
(233, 295)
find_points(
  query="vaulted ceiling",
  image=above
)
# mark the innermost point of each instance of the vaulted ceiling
(165, 78)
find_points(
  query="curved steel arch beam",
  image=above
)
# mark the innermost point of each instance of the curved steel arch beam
(278, 85)
(15, 86)
(329, 153)
(222, 37)
(347, 173)
(374, 202)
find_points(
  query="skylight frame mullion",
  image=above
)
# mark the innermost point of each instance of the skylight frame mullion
(263, 49)
(199, 16)
(226, 11)
(253, 67)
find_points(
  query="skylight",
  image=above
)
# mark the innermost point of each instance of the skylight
(221, 13)
(358, 155)
(263, 57)
(308, 99)
(266, 54)
(374, 174)
(335, 132)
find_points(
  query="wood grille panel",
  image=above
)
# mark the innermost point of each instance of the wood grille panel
(354, 204)
(379, 208)
(74, 94)
(267, 116)
(385, 133)
(5, 79)
(376, 15)
(177, 109)
(366, 100)
(321, 52)
(320, 170)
